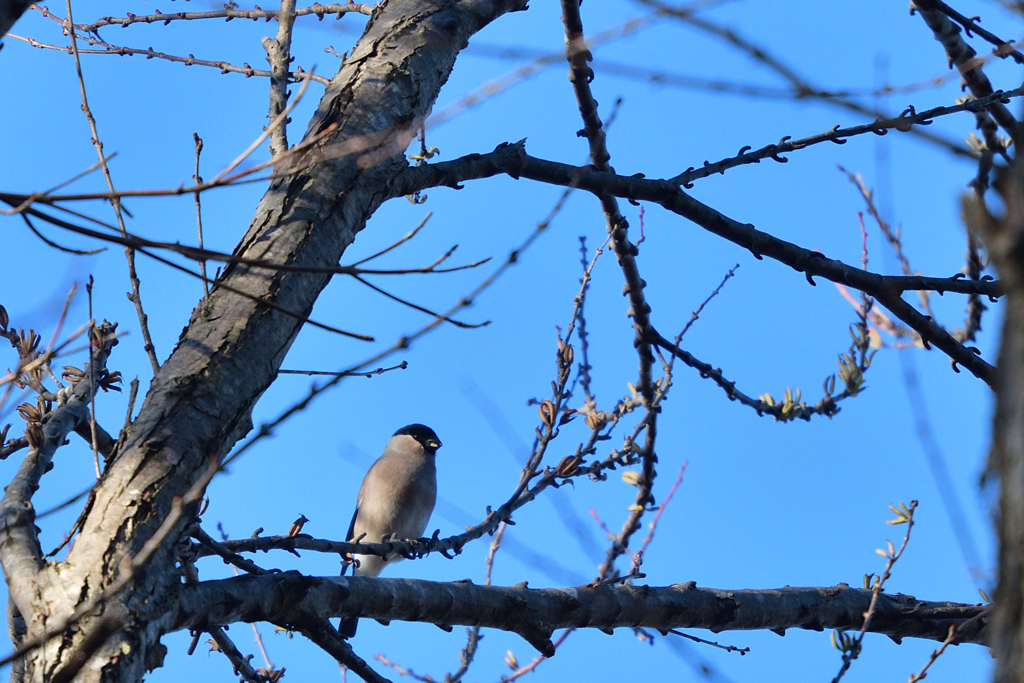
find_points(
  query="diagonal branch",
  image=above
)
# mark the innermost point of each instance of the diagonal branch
(129, 253)
(963, 57)
(1003, 49)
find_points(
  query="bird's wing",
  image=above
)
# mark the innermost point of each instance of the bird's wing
(352, 525)
(348, 537)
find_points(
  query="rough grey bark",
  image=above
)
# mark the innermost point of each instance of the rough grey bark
(1004, 239)
(292, 599)
(20, 554)
(201, 400)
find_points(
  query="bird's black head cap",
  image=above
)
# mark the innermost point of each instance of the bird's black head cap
(422, 433)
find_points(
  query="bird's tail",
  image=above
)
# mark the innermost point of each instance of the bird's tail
(347, 627)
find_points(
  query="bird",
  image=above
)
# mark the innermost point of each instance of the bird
(395, 500)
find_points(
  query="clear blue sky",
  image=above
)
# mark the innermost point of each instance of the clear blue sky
(762, 504)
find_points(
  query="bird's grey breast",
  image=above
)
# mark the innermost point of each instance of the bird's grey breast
(398, 495)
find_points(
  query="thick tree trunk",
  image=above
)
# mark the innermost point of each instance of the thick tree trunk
(1004, 239)
(200, 402)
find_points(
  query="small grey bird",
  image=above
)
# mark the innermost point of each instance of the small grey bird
(395, 499)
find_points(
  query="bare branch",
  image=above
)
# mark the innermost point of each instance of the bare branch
(903, 123)
(240, 662)
(190, 60)
(963, 57)
(20, 554)
(197, 179)
(129, 253)
(279, 54)
(291, 597)
(512, 159)
(1003, 49)
(320, 11)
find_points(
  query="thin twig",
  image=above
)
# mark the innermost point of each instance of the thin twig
(421, 309)
(580, 76)
(67, 503)
(379, 371)
(851, 647)
(584, 368)
(950, 640)
(199, 212)
(133, 392)
(408, 236)
(696, 314)
(58, 247)
(468, 652)
(191, 60)
(522, 671)
(94, 343)
(402, 671)
(668, 499)
(128, 252)
(727, 648)
(320, 11)
(239, 661)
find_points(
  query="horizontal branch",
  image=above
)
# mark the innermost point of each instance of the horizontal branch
(226, 14)
(512, 159)
(191, 60)
(306, 542)
(24, 205)
(294, 599)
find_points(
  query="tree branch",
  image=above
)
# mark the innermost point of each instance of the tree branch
(279, 54)
(290, 597)
(201, 400)
(20, 554)
(226, 14)
(962, 56)
(887, 290)
(1003, 237)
